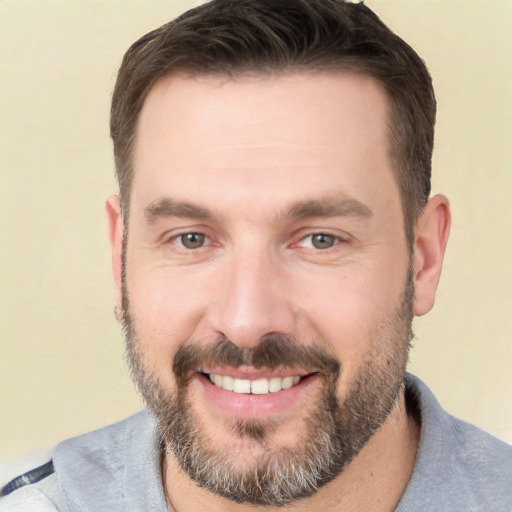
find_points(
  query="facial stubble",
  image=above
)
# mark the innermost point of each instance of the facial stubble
(335, 430)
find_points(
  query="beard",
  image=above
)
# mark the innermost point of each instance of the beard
(335, 429)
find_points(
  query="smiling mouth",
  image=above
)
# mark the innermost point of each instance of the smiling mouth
(253, 387)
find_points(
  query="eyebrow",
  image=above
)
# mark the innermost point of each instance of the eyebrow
(167, 207)
(301, 210)
(329, 207)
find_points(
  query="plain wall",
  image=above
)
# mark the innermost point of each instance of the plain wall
(61, 366)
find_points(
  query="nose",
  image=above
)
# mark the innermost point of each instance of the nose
(252, 301)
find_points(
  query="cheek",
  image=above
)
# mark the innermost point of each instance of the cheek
(165, 307)
(346, 307)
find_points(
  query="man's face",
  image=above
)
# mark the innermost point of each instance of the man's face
(266, 252)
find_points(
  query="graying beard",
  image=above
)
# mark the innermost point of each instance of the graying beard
(273, 484)
(276, 479)
(333, 437)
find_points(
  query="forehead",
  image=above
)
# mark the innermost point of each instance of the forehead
(290, 130)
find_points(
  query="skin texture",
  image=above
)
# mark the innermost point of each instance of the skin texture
(259, 166)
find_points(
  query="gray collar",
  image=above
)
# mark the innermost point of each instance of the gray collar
(116, 468)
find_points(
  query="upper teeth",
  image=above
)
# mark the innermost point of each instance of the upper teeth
(256, 387)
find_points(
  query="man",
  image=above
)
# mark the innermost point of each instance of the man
(272, 240)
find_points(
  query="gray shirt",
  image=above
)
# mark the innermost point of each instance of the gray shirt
(117, 468)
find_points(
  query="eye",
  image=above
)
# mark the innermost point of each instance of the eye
(192, 240)
(323, 241)
(320, 241)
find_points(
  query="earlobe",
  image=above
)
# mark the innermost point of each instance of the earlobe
(115, 236)
(431, 236)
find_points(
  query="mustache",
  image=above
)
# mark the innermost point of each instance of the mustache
(272, 352)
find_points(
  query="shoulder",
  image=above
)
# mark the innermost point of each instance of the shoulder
(88, 468)
(458, 466)
(36, 490)
(481, 463)
(462, 443)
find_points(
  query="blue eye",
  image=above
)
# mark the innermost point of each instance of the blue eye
(192, 240)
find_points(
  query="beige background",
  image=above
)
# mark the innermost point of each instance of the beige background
(61, 361)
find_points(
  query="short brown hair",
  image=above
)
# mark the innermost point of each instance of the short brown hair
(236, 37)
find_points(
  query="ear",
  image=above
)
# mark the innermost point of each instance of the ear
(430, 239)
(115, 236)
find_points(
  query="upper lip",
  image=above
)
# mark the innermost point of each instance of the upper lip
(249, 373)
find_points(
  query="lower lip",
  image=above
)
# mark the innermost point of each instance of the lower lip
(243, 405)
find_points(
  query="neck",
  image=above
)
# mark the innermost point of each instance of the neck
(375, 480)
